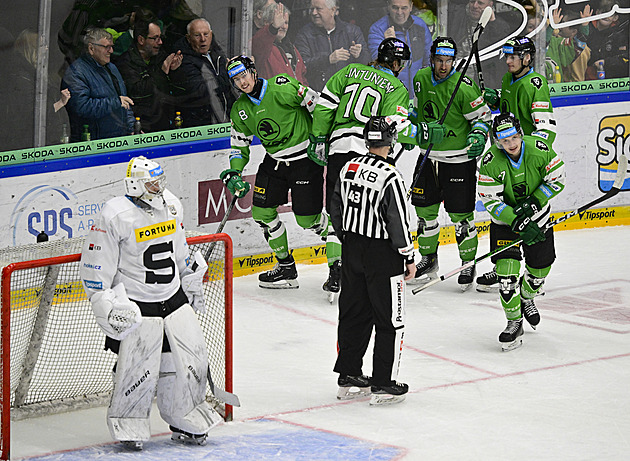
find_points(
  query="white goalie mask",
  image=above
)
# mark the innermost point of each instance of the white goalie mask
(146, 180)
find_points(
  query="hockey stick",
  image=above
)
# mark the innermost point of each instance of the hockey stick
(221, 226)
(221, 395)
(485, 17)
(620, 177)
(482, 85)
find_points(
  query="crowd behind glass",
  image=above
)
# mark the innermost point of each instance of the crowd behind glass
(162, 62)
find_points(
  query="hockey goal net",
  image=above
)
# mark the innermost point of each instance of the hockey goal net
(52, 350)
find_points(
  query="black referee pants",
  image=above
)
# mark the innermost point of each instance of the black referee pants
(372, 296)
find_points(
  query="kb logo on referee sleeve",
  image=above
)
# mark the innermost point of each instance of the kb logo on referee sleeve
(367, 175)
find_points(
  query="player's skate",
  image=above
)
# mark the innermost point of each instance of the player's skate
(187, 438)
(388, 395)
(529, 311)
(426, 270)
(510, 338)
(135, 445)
(488, 282)
(467, 276)
(352, 387)
(283, 275)
(333, 285)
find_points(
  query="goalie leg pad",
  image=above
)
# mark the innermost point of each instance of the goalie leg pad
(136, 376)
(182, 385)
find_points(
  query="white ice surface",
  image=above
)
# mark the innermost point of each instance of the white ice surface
(562, 396)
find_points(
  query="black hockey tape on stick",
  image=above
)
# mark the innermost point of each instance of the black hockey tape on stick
(485, 17)
(620, 177)
(221, 226)
(221, 395)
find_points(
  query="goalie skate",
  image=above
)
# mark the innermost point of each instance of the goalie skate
(187, 438)
(510, 338)
(352, 387)
(134, 445)
(389, 395)
(283, 275)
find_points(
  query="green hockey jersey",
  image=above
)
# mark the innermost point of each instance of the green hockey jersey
(351, 97)
(467, 112)
(503, 183)
(280, 118)
(528, 99)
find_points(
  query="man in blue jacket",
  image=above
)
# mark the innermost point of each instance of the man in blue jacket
(400, 23)
(328, 44)
(99, 97)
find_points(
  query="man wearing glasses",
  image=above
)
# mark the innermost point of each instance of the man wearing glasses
(152, 76)
(99, 101)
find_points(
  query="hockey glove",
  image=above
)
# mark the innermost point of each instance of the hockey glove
(492, 97)
(528, 230)
(476, 142)
(317, 149)
(430, 133)
(234, 182)
(528, 207)
(115, 313)
(192, 282)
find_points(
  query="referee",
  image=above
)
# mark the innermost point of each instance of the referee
(369, 213)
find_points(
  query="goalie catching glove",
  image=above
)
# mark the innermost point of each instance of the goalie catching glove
(192, 282)
(234, 182)
(115, 313)
(528, 230)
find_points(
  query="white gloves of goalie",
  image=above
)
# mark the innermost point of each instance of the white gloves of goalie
(115, 313)
(192, 282)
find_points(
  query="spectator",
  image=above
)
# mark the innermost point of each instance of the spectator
(427, 12)
(273, 51)
(608, 40)
(99, 96)
(400, 23)
(329, 44)
(151, 76)
(461, 27)
(208, 94)
(264, 11)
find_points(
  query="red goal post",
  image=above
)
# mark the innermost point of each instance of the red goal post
(51, 349)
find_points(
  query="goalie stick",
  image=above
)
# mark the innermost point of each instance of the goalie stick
(221, 226)
(620, 177)
(483, 21)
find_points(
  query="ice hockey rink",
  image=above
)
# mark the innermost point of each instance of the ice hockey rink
(562, 396)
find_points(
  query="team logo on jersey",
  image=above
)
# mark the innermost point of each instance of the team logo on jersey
(156, 230)
(467, 81)
(431, 111)
(351, 171)
(268, 130)
(537, 82)
(542, 146)
(487, 158)
(280, 80)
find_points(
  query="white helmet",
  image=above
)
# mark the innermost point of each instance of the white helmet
(145, 179)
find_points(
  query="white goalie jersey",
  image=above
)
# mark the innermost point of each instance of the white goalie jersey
(143, 248)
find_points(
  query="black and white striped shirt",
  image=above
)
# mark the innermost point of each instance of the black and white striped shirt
(370, 200)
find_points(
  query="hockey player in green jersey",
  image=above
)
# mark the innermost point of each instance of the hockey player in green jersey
(449, 175)
(278, 112)
(525, 94)
(517, 178)
(349, 99)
